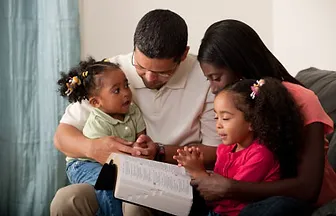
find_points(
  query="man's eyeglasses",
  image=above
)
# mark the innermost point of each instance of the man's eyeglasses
(163, 74)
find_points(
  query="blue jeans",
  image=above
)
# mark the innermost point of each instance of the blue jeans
(211, 213)
(277, 206)
(88, 172)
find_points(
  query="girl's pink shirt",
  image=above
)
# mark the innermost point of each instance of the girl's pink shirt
(253, 164)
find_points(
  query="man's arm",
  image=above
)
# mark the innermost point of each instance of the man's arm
(73, 143)
(305, 186)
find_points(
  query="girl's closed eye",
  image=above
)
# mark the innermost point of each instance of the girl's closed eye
(226, 118)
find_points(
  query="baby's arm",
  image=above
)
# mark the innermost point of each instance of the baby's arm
(192, 160)
(140, 145)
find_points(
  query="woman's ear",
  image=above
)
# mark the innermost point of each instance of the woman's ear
(250, 127)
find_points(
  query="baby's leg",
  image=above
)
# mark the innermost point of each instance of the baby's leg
(88, 172)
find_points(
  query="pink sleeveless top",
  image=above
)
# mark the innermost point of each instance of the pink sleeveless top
(313, 112)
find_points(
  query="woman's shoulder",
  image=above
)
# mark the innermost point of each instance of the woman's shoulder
(298, 91)
(303, 97)
(309, 105)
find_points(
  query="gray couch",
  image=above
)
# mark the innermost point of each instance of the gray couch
(323, 83)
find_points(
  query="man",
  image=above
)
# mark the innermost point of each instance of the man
(173, 95)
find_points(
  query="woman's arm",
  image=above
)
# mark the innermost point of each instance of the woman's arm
(306, 186)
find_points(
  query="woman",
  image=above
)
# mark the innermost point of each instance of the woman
(230, 51)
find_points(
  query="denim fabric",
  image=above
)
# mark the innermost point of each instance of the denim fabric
(277, 206)
(211, 213)
(88, 172)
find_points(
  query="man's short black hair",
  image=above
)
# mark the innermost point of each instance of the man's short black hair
(161, 34)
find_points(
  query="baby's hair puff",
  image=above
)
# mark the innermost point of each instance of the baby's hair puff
(82, 81)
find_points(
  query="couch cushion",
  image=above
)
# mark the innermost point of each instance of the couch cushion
(328, 209)
(323, 83)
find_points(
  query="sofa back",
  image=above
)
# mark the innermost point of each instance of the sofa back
(323, 83)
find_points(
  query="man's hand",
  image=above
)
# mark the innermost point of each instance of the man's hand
(101, 148)
(192, 160)
(145, 147)
(213, 187)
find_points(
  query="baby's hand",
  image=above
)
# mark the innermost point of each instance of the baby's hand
(139, 145)
(192, 160)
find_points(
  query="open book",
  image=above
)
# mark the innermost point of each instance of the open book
(153, 184)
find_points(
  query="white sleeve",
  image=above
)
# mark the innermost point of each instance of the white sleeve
(76, 114)
(208, 123)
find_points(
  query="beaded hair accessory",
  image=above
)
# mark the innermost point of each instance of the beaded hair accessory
(74, 82)
(255, 88)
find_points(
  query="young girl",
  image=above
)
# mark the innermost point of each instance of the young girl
(261, 129)
(106, 88)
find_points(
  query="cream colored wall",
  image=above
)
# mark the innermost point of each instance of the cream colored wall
(304, 33)
(301, 33)
(108, 26)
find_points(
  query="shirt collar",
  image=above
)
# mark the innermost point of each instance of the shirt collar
(97, 112)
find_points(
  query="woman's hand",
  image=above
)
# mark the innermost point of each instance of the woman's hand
(192, 160)
(213, 187)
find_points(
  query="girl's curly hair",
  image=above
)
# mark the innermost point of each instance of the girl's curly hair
(89, 83)
(275, 119)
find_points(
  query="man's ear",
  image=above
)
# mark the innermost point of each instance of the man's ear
(185, 54)
(94, 102)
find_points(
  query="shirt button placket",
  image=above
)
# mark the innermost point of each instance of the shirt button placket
(156, 102)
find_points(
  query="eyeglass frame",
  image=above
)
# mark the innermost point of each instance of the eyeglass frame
(163, 74)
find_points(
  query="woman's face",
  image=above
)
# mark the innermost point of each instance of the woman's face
(218, 77)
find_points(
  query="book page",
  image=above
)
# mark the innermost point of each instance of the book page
(157, 175)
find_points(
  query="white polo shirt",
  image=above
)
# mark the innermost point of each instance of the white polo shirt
(179, 113)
